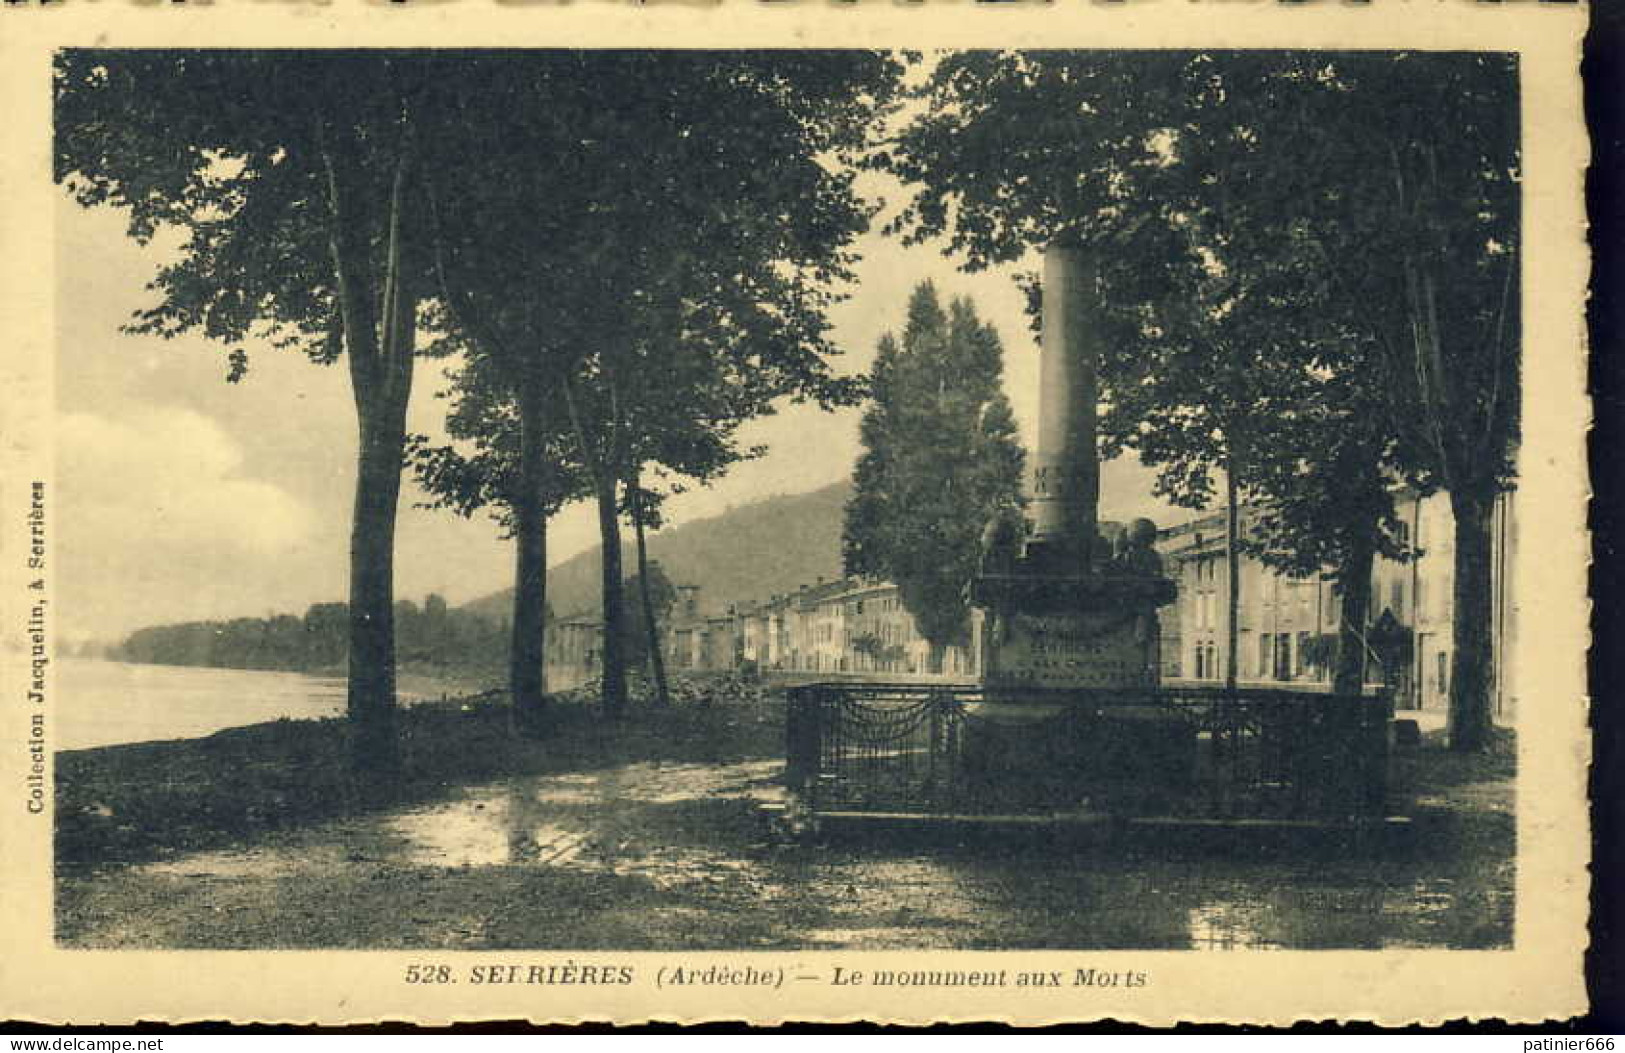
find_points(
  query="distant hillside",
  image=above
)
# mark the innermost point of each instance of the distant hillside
(779, 544)
(773, 545)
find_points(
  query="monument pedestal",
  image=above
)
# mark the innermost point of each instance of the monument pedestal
(1069, 671)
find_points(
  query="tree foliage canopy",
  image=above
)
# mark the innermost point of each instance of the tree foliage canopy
(1296, 259)
(647, 276)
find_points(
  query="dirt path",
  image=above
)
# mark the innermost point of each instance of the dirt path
(675, 855)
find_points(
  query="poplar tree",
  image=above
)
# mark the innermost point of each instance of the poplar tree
(940, 459)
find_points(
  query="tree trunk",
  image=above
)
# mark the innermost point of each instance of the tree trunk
(934, 656)
(1468, 729)
(1232, 569)
(527, 653)
(1354, 607)
(381, 409)
(601, 466)
(370, 701)
(613, 681)
(657, 660)
(379, 334)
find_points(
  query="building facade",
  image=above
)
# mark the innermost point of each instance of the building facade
(574, 650)
(1286, 627)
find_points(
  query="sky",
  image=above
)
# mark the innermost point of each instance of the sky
(184, 497)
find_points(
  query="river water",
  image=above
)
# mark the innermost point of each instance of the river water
(108, 703)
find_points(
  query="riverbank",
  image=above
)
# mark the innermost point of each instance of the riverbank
(143, 801)
(109, 703)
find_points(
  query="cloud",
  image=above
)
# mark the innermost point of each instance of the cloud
(167, 478)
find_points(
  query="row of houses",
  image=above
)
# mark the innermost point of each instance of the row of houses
(1286, 626)
(852, 625)
(847, 626)
(860, 627)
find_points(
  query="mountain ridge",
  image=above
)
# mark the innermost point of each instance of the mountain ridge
(745, 554)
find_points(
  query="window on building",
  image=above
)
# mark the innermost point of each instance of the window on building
(1265, 651)
(1303, 654)
(1396, 596)
(1283, 656)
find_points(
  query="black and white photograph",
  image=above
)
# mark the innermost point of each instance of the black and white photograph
(587, 516)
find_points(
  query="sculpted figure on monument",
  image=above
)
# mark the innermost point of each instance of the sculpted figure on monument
(1001, 542)
(1139, 555)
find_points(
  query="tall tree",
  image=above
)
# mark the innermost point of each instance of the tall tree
(1269, 158)
(940, 459)
(1186, 389)
(296, 177)
(500, 209)
(1331, 504)
(667, 310)
(1438, 237)
(520, 465)
(1239, 374)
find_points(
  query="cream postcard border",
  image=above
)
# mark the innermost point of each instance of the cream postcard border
(1539, 978)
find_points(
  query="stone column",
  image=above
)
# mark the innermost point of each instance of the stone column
(1069, 636)
(1066, 476)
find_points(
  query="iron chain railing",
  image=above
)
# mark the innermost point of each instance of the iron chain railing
(1249, 753)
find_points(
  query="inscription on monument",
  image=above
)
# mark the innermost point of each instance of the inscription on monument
(1105, 649)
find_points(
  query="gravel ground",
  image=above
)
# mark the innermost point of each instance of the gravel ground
(675, 854)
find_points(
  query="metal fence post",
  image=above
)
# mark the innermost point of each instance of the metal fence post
(801, 740)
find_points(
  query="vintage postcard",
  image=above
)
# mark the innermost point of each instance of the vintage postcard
(766, 512)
